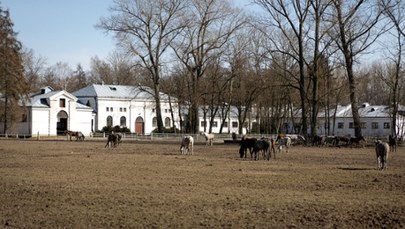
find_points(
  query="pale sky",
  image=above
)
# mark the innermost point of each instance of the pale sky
(62, 31)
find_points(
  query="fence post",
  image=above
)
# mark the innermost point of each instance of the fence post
(38, 135)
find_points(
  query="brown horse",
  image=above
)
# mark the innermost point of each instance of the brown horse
(341, 139)
(77, 134)
(357, 140)
(113, 140)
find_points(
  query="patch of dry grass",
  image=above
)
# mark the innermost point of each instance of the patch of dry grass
(60, 184)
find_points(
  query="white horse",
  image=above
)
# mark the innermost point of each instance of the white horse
(187, 144)
(209, 138)
(296, 139)
(283, 142)
(381, 149)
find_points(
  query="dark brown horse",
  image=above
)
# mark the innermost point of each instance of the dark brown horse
(339, 139)
(245, 144)
(357, 140)
(392, 142)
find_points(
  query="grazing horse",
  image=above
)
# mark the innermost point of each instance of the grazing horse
(77, 134)
(381, 149)
(187, 144)
(341, 139)
(296, 139)
(329, 140)
(245, 144)
(283, 142)
(113, 140)
(317, 140)
(392, 142)
(356, 140)
(209, 138)
(261, 145)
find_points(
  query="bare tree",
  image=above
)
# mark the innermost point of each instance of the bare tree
(57, 76)
(211, 23)
(289, 18)
(354, 32)
(394, 10)
(118, 69)
(33, 69)
(145, 28)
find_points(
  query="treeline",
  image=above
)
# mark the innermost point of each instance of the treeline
(274, 58)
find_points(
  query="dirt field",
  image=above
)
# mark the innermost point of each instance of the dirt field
(61, 184)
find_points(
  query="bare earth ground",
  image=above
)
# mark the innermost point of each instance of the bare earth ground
(61, 184)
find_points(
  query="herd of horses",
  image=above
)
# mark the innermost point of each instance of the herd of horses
(337, 141)
(265, 147)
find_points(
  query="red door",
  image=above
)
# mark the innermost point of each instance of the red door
(139, 126)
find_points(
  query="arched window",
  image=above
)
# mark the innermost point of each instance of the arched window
(109, 121)
(167, 122)
(123, 121)
(154, 122)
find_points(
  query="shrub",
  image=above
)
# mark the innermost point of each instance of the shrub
(167, 130)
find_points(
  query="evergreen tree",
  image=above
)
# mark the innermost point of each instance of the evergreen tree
(13, 85)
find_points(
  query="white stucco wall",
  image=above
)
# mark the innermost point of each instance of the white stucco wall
(40, 122)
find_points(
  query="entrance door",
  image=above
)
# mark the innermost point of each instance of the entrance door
(62, 123)
(139, 126)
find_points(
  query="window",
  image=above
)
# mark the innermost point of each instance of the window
(167, 122)
(123, 121)
(154, 122)
(374, 125)
(109, 121)
(125, 109)
(166, 111)
(107, 109)
(386, 125)
(62, 102)
(111, 109)
(153, 110)
(203, 123)
(234, 124)
(340, 125)
(225, 124)
(350, 125)
(363, 125)
(215, 124)
(120, 109)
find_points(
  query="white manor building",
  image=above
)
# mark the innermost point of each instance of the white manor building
(127, 106)
(134, 108)
(50, 112)
(89, 109)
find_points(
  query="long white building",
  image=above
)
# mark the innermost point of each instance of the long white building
(89, 109)
(376, 121)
